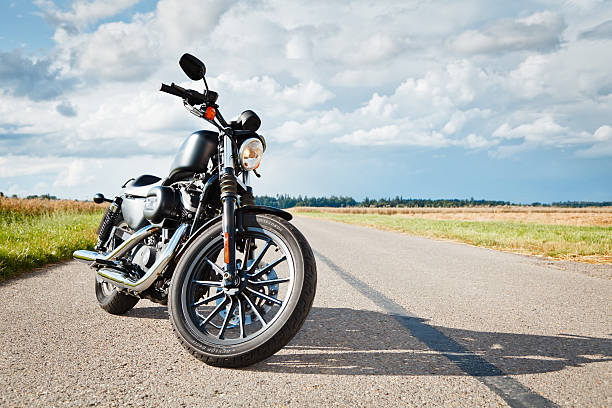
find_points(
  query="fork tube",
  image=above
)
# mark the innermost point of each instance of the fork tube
(229, 193)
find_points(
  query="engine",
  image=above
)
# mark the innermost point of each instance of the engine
(177, 202)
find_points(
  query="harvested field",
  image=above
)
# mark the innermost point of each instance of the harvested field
(599, 216)
(562, 240)
(24, 206)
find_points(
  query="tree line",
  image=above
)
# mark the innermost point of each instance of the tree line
(287, 201)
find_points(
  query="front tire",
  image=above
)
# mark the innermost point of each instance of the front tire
(249, 323)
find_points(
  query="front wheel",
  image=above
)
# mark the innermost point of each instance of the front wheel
(244, 323)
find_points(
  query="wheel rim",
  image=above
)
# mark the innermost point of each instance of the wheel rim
(106, 288)
(230, 316)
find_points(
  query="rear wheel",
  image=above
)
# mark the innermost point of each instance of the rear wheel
(260, 313)
(109, 298)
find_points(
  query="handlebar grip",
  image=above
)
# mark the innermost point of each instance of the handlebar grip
(172, 91)
(193, 97)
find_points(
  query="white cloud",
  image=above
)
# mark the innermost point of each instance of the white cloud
(473, 141)
(11, 166)
(604, 133)
(182, 23)
(539, 31)
(83, 13)
(576, 72)
(543, 130)
(306, 95)
(317, 73)
(298, 47)
(602, 146)
(599, 32)
(460, 118)
(378, 136)
(74, 175)
(119, 51)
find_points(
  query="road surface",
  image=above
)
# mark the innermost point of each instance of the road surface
(397, 321)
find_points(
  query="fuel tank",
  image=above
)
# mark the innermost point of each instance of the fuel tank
(193, 155)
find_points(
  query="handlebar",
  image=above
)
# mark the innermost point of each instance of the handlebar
(192, 97)
(196, 98)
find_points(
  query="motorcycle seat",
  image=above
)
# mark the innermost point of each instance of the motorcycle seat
(140, 186)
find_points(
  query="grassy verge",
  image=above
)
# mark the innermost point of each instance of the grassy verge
(34, 238)
(579, 243)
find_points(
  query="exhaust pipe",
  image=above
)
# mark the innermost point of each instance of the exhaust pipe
(92, 257)
(116, 278)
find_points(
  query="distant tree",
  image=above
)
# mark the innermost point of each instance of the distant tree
(286, 201)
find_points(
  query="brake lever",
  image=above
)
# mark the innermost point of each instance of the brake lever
(192, 109)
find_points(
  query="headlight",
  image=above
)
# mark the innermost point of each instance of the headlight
(250, 154)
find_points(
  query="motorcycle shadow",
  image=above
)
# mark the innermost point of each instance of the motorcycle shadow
(362, 342)
(150, 312)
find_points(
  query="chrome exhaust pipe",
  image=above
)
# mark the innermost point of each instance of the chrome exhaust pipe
(92, 257)
(116, 278)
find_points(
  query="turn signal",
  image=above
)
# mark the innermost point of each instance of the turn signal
(226, 245)
(210, 113)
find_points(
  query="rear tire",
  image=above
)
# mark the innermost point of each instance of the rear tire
(112, 301)
(109, 298)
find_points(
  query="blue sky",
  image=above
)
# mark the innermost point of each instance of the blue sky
(508, 101)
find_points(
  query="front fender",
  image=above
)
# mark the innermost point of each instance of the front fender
(248, 209)
(263, 209)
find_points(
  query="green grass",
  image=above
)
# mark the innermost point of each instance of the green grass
(28, 241)
(582, 243)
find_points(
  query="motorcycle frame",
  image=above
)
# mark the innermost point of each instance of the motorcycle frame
(231, 216)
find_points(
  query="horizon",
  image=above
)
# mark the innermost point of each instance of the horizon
(479, 201)
(510, 102)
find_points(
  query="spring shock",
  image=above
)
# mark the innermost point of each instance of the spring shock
(110, 218)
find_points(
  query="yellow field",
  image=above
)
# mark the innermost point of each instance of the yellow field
(23, 206)
(599, 216)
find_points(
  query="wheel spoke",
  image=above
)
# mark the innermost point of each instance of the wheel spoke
(260, 256)
(209, 299)
(242, 318)
(269, 282)
(247, 253)
(264, 296)
(228, 316)
(214, 312)
(256, 311)
(208, 283)
(267, 268)
(214, 266)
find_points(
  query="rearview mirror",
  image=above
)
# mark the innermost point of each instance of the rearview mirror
(193, 67)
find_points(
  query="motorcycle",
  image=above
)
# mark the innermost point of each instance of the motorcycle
(239, 279)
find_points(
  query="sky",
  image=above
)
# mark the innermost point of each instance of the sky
(424, 99)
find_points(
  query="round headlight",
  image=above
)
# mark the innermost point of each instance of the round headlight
(250, 154)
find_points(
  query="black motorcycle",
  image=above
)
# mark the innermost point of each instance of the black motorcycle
(238, 279)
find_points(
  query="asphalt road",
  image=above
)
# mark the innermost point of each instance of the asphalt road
(397, 321)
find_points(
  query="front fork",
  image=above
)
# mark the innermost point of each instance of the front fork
(229, 197)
